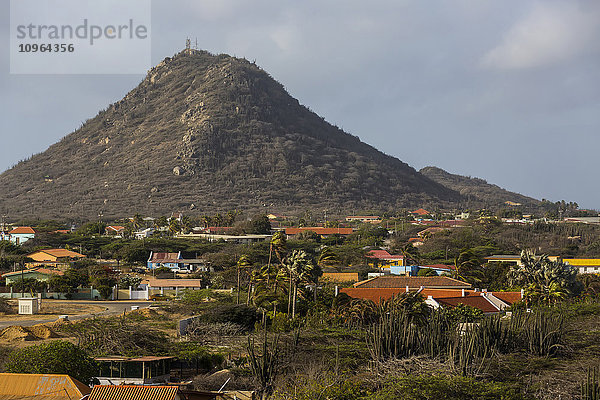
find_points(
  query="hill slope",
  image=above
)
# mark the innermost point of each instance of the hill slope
(477, 190)
(215, 132)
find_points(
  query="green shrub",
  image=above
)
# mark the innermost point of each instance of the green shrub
(240, 314)
(58, 357)
(446, 388)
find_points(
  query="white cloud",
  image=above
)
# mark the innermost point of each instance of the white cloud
(552, 32)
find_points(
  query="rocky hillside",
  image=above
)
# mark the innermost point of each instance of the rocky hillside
(210, 132)
(477, 191)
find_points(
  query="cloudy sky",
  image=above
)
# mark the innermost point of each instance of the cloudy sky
(508, 91)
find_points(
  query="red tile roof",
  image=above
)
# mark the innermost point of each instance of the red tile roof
(508, 297)
(420, 211)
(384, 255)
(40, 270)
(126, 392)
(393, 281)
(373, 294)
(188, 283)
(22, 230)
(479, 302)
(441, 293)
(115, 228)
(319, 230)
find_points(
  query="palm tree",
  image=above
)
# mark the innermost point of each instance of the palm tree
(410, 254)
(174, 226)
(467, 267)
(301, 269)
(243, 263)
(206, 220)
(186, 223)
(218, 219)
(137, 222)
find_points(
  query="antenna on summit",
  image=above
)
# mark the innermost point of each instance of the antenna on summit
(196, 45)
(188, 46)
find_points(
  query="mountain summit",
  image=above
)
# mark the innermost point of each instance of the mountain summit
(210, 132)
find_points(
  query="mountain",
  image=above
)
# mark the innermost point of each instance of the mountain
(477, 191)
(210, 133)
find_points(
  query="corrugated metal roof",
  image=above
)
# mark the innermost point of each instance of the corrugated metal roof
(40, 387)
(125, 392)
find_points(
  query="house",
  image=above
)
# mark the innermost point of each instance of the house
(412, 282)
(176, 262)
(416, 241)
(21, 234)
(169, 260)
(41, 387)
(144, 233)
(54, 257)
(383, 259)
(279, 217)
(584, 265)
(340, 277)
(480, 302)
(239, 239)
(420, 212)
(40, 274)
(133, 370)
(115, 230)
(118, 392)
(164, 392)
(319, 230)
(488, 302)
(171, 287)
(516, 259)
(429, 231)
(178, 216)
(374, 219)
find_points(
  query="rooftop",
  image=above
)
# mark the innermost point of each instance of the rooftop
(390, 281)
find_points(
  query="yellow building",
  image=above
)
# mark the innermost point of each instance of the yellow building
(53, 257)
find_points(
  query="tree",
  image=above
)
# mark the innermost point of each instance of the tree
(301, 269)
(30, 285)
(467, 267)
(126, 281)
(544, 280)
(57, 357)
(243, 263)
(174, 226)
(260, 224)
(410, 253)
(137, 222)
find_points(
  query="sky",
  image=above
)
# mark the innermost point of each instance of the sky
(504, 90)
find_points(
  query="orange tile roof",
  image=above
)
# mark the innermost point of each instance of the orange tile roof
(175, 283)
(420, 211)
(41, 387)
(22, 230)
(509, 298)
(479, 302)
(115, 227)
(60, 253)
(40, 270)
(127, 392)
(373, 294)
(394, 281)
(319, 230)
(441, 293)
